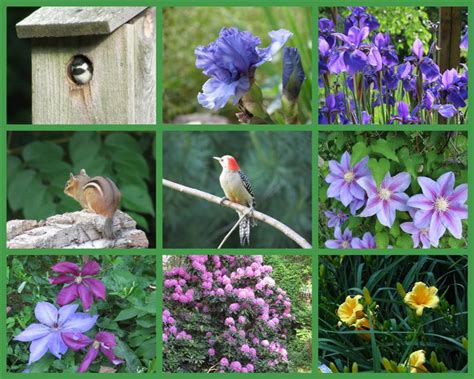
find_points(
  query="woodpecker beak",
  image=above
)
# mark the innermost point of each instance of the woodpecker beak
(217, 158)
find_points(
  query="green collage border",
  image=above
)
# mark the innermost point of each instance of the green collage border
(160, 128)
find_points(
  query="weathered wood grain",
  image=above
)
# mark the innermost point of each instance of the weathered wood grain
(74, 21)
(122, 89)
(449, 37)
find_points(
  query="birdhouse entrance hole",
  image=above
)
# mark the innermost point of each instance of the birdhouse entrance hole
(80, 70)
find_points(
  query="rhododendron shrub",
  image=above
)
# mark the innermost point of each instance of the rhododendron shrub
(224, 314)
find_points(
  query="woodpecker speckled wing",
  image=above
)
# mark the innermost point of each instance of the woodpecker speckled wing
(237, 188)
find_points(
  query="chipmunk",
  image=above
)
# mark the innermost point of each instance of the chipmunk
(98, 195)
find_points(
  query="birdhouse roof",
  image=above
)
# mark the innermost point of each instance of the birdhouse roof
(74, 21)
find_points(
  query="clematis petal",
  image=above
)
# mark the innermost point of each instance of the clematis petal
(459, 195)
(336, 169)
(346, 162)
(373, 207)
(386, 216)
(56, 345)
(425, 241)
(453, 224)
(334, 190)
(61, 279)
(420, 201)
(66, 268)
(88, 359)
(345, 195)
(85, 295)
(38, 348)
(400, 182)
(90, 268)
(408, 227)
(46, 313)
(437, 229)
(368, 184)
(79, 322)
(423, 218)
(360, 168)
(67, 294)
(109, 353)
(76, 341)
(32, 332)
(66, 311)
(459, 210)
(333, 244)
(429, 187)
(106, 338)
(446, 183)
(97, 287)
(398, 201)
(356, 191)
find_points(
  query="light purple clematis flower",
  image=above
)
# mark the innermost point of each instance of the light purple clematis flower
(336, 218)
(230, 63)
(103, 342)
(343, 179)
(81, 284)
(440, 207)
(47, 335)
(387, 198)
(341, 241)
(367, 242)
(418, 235)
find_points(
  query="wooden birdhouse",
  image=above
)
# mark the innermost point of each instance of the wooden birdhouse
(92, 65)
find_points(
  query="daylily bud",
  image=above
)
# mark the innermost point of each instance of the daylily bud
(464, 342)
(355, 367)
(401, 290)
(367, 297)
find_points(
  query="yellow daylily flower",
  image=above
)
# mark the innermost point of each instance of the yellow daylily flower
(422, 296)
(416, 362)
(349, 311)
(363, 324)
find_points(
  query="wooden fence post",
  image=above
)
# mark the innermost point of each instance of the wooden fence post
(449, 37)
(120, 44)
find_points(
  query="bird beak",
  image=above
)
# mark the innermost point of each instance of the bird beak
(217, 158)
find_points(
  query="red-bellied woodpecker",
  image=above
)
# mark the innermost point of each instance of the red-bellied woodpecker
(237, 188)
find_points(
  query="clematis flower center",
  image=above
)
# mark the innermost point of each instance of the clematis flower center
(441, 204)
(55, 326)
(349, 176)
(96, 345)
(78, 279)
(345, 244)
(384, 194)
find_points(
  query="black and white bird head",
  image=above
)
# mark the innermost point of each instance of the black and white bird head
(81, 70)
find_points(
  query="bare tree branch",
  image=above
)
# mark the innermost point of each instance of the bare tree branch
(287, 231)
(233, 228)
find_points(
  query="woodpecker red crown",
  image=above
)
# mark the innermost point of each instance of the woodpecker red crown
(231, 163)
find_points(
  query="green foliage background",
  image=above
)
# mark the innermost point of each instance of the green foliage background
(39, 164)
(129, 311)
(185, 28)
(442, 328)
(278, 165)
(428, 154)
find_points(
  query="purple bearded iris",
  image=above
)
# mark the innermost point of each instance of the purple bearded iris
(387, 198)
(418, 235)
(48, 334)
(293, 73)
(343, 179)
(341, 241)
(336, 218)
(367, 242)
(81, 284)
(440, 207)
(103, 342)
(230, 63)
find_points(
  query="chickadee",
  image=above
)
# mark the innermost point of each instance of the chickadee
(81, 70)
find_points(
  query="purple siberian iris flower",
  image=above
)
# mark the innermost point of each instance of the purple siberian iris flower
(336, 218)
(343, 179)
(81, 285)
(367, 242)
(386, 199)
(418, 235)
(360, 18)
(404, 116)
(230, 63)
(351, 52)
(341, 241)
(332, 109)
(48, 334)
(464, 44)
(428, 67)
(440, 207)
(103, 342)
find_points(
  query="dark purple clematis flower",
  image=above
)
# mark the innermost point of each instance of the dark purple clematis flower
(336, 218)
(464, 44)
(387, 198)
(48, 335)
(343, 179)
(293, 73)
(81, 285)
(230, 63)
(341, 241)
(418, 235)
(367, 242)
(103, 342)
(440, 207)
(351, 51)
(404, 116)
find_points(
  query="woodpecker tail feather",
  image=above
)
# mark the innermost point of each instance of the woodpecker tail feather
(244, 231)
